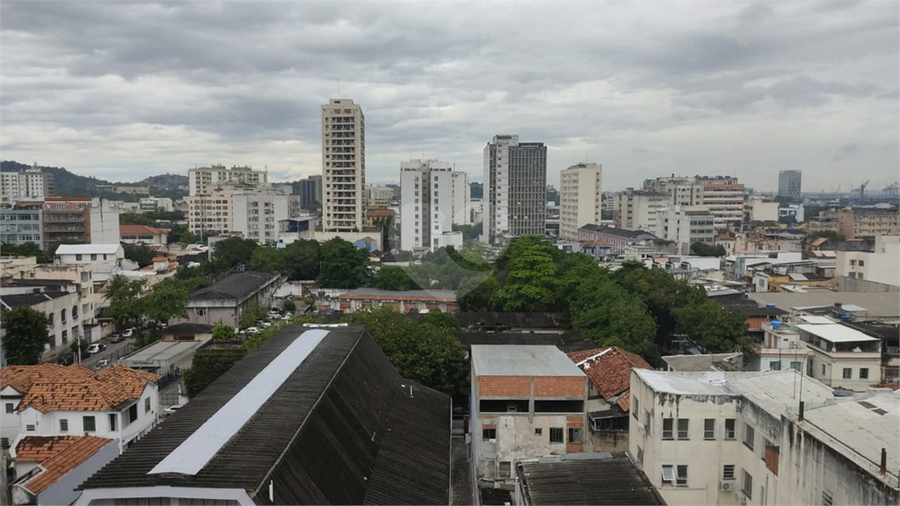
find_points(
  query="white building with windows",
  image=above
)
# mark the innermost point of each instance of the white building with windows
(343, 166)
(53, 400)
(637, 209)
(203, 180)
(31, 183)
(840, 356)
(759, 438)
(685, 225)
(433, 198)
(580, 198)
(105, 258)
(879, 265)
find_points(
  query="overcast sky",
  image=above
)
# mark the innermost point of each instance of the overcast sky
(124, 90)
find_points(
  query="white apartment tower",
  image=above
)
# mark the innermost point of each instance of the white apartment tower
(580, 198)
(637, 209)
(515, 188)
(433, 198)
(26, 184)
(343, 166)
(203, 180)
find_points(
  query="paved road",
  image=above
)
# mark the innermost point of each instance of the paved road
(112, 352)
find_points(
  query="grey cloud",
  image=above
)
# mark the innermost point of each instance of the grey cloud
(845, 151)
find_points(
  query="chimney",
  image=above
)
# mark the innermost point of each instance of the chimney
(800, 418)
(883, 468)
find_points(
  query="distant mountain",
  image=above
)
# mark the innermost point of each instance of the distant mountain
(67, 184)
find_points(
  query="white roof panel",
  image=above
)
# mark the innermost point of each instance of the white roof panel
(519, 360)
(817, 320)
(836, 333)
(81, 249)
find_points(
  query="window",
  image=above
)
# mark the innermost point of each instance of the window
(827, 498)
(683, 428)
(862, 263)
(667, 428)
(864, 373)
(636, 409)
(132, 413)
(668, 474)
(640, 455)
(728, 472)
(63, 425)
(505, 469)
(749, 436)
(797, 366)
(681, 475)
(89, 424)
(852, 262)
(488, 434)
(747, 487)
(77, 257)
(93, 257)
(556, 434)
(201, 312)
(10, 407)
(709, 428)
(848, 373)
(647, 422)
(62, 315)
(775, 365)
(112, 422)
(538, 431)
(575, 434)
(29, 427)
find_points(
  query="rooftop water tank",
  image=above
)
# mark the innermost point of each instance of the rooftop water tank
(776, 324)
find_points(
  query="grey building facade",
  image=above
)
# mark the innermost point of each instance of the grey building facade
(515, 188)
(789, 183)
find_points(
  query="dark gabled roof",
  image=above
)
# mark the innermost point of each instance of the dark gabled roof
(604, 478)
(567, 341)
(342, 429)
(748, 310)
(28, 299)
(234, 287)
(56, 283)
(618, 232)
(187, 328)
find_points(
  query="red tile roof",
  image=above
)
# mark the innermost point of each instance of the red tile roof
(140, 229)
(57, 455)
(609, 369)
(50, 387)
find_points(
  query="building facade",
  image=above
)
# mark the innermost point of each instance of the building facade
(310, 191)
(867, 221)
(580, 198)
(82, 220)
(685, 225)
(515, 188)
(723, 195)
(879, 265)
(343, 166)
(636, 209)
(433, 198)
(30, 183)
(203, 180)
(789, 183)
(840, 356)
(20, 226)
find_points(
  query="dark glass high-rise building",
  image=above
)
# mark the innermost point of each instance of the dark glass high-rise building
(515, 188)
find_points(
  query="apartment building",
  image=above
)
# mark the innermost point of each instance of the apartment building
(31, 183)
(878, 266)
(343, 166)
(867, 221)
(379, 196)
(20, 226)
(580, 198)
(61, 306)
(151, 204)
(527, 402)
(106, 259)
(840, 356)
(203, 180)
(723, 195)
(637, 209)
(789, 183)
(780, 347)
(759, 438)
(83, 220)
(433, 198)
(515, 188)
(253, 213)
(310, 191)
(685, 225)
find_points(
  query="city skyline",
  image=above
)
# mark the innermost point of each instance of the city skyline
(646, 90)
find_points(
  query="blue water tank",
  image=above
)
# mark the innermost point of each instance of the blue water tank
(776, 324)
(770, 305)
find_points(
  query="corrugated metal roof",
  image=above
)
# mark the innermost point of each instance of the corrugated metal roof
(534, 360)
(339, 424)
(836, 333)
(233, 287)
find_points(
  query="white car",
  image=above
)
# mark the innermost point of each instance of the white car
(128, 332)
(265, 325)
(274, 314)
(251, 330)
(96, 348)
(172, 409)
(101, 364)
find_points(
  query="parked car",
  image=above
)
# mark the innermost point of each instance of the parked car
(128, 332)
(101, 364)
(96, 348)
(172, 409)
(265, 325)
(251, 330)
(116, 338)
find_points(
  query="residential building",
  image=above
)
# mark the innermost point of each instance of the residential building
(789, 183)
(760, 210)
(105, 258)
(527, 402)
(302, 226)
(723, 195)
(277, 429)
(343, 166)
(63, 309)
(31, 183)
(224, 301)
(878, 266)
(873, 306)
(757, 438)
(20, 226)
(580, 198)
(867, 221)
(83, 220)
(779, 348)
(211, 214)
(80, 275)
(794, 211)
(379, 196)
(151, 204)
(310, 191)
(601, 479)
(618, 238)
(608, 402)
(685, 225)
(433, 198)
(203, 180)
(840, 356)
(253, 213)
(53, 400)
(48, 469)
(142, 234)
(637, 209)
(515, 188)
(418, 301)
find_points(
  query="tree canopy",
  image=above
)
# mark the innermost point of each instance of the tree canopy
(704, 249)
(138, 253)
(343, 265)
(26, 335)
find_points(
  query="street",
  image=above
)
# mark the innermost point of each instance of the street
(113, 352)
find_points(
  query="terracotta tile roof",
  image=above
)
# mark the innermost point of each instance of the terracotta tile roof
(140, 229)
(818, 242)
(74, 388)
(624, 401)
(609, 369)
(57, 455)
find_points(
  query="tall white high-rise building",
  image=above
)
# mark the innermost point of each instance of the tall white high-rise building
(30, 183)
(203, 180)
(789, 183)
(433, 198)
(723, 195)
(515, 188)
(343, 166)
(636, 209)
(580, 198)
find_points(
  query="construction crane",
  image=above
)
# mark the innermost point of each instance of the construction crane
(862, 189)
(891, 190)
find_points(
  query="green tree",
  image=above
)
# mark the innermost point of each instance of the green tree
(303, 259)
(223, 333)
(28, 249)
(443, 320)
(704, 249)
(268, 259)
(393, 278)
(713, 327)
(251, 315)
(343, 265)
(477, 296)
(124, 296)
(136, 219)
(289, 306)
(181, 235)
(138, 253)
(167, 299)
(207, 365)
(26, 335)
(234, 250)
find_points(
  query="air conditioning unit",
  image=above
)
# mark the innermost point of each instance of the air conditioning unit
(726, 485)
(642, 429)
